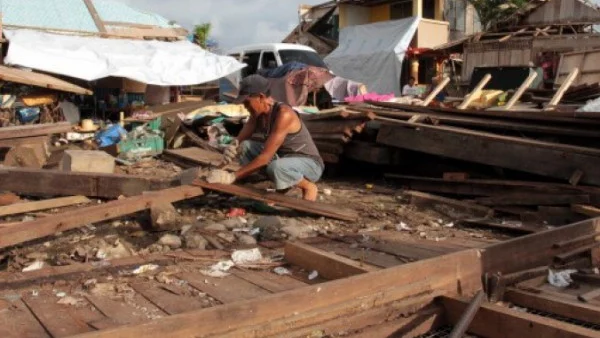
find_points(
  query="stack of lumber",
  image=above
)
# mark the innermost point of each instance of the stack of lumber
(576, 94)
(541, 167)
(332, 130)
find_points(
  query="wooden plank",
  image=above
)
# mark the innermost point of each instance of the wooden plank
(534, 199)
(517, 95)
(77, 218)
(281, 200)
(229, 289)
(586, 278)
(467, 317)
(498, 322)
(33, 78)
(328, 265)
(333, 126)
(586, 239)
(16, 321)
(532, 250)
(121, 313)
(586, 210)
(59, 183)
(97, 20)
(556, 305)
(21, 208)
(378, 259)
(566, 256)
(421, 198)
(268, 280)
(194, 157)
(589, 296)
(547, 159)
(166, 300)
(59, 320)
(435, 92)
(34, 130)
(444, 275)
(563, 89)
(476, 91)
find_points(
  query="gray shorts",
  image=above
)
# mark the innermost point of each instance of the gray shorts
(286, 172)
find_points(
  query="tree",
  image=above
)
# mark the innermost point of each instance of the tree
(492, 12)
(201, 33)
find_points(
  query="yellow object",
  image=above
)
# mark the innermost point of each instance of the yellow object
(122, 119)
(230, 110)
(369, 186)
(87, 126)
(38, 100)
(489, 97)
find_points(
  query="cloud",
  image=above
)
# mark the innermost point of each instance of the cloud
(234, 22)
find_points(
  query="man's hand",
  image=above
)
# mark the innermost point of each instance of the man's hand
(231, 152)
(220, 177)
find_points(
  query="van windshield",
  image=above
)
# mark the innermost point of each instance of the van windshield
(303, 56)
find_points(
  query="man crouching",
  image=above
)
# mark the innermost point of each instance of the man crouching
(289, 152)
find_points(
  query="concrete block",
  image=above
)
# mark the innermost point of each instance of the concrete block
(88, 161)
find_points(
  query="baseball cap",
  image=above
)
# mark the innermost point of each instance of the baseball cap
(252, 85)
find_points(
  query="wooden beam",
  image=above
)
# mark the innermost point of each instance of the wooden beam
(494, 321)
(531, 156)
(446, 274)
(586, 210)
(589, 296)
(435, 92)
(97, 20)
(73, 219)
(59, 183)
(34, 130)
(328, 265)
(553, 304)
(473, 94)
(563, 89)
(315, 208)
(569, 255)
(33, 78)
(421, 198)
(21, 208)
(517, 95)
(534, 199)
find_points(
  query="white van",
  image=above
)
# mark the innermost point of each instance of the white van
(267, 56)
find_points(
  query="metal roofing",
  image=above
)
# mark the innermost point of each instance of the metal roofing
(73, 14)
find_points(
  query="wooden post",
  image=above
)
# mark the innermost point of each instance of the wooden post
(471, 96)
(515, 98)
(95, 16)
(435, 92)
(563, 89)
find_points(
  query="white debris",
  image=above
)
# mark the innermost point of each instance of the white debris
(282, 271)
(61, 294)
(327, 192)
(219, 270)
(403, 227)
(145, 268)
(313, 275)
(591, 106)
(37, 265)
(70, 301)
(449, 225)
(35, 293)
(254, 232)
(246, 256)
(560, 279)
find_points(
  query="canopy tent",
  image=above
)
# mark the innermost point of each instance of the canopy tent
(372, 54)
(158, 63)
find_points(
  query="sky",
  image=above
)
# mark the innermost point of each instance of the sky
(234, 22)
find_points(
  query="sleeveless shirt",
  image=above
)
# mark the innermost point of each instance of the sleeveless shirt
(299, 144)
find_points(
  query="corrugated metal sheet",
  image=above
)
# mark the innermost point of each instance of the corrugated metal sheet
(73, 14)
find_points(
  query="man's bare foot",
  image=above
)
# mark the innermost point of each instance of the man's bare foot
(309, 190)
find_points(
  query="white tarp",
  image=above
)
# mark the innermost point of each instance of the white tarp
(372, 54)
(90, 58)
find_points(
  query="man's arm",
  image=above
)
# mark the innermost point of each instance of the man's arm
(247, 130)
(281, 129)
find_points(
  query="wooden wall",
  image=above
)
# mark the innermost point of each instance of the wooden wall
(494, 53)
(563, 11)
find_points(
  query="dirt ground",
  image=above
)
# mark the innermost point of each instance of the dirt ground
(380, 206)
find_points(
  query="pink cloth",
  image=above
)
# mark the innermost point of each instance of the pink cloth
(370, 97)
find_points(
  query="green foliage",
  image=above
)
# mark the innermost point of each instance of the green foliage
(201, 33)
(492, 12)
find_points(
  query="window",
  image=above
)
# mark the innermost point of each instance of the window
(268, 60)
(251, 59)
(303, 56)
(401, 10)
